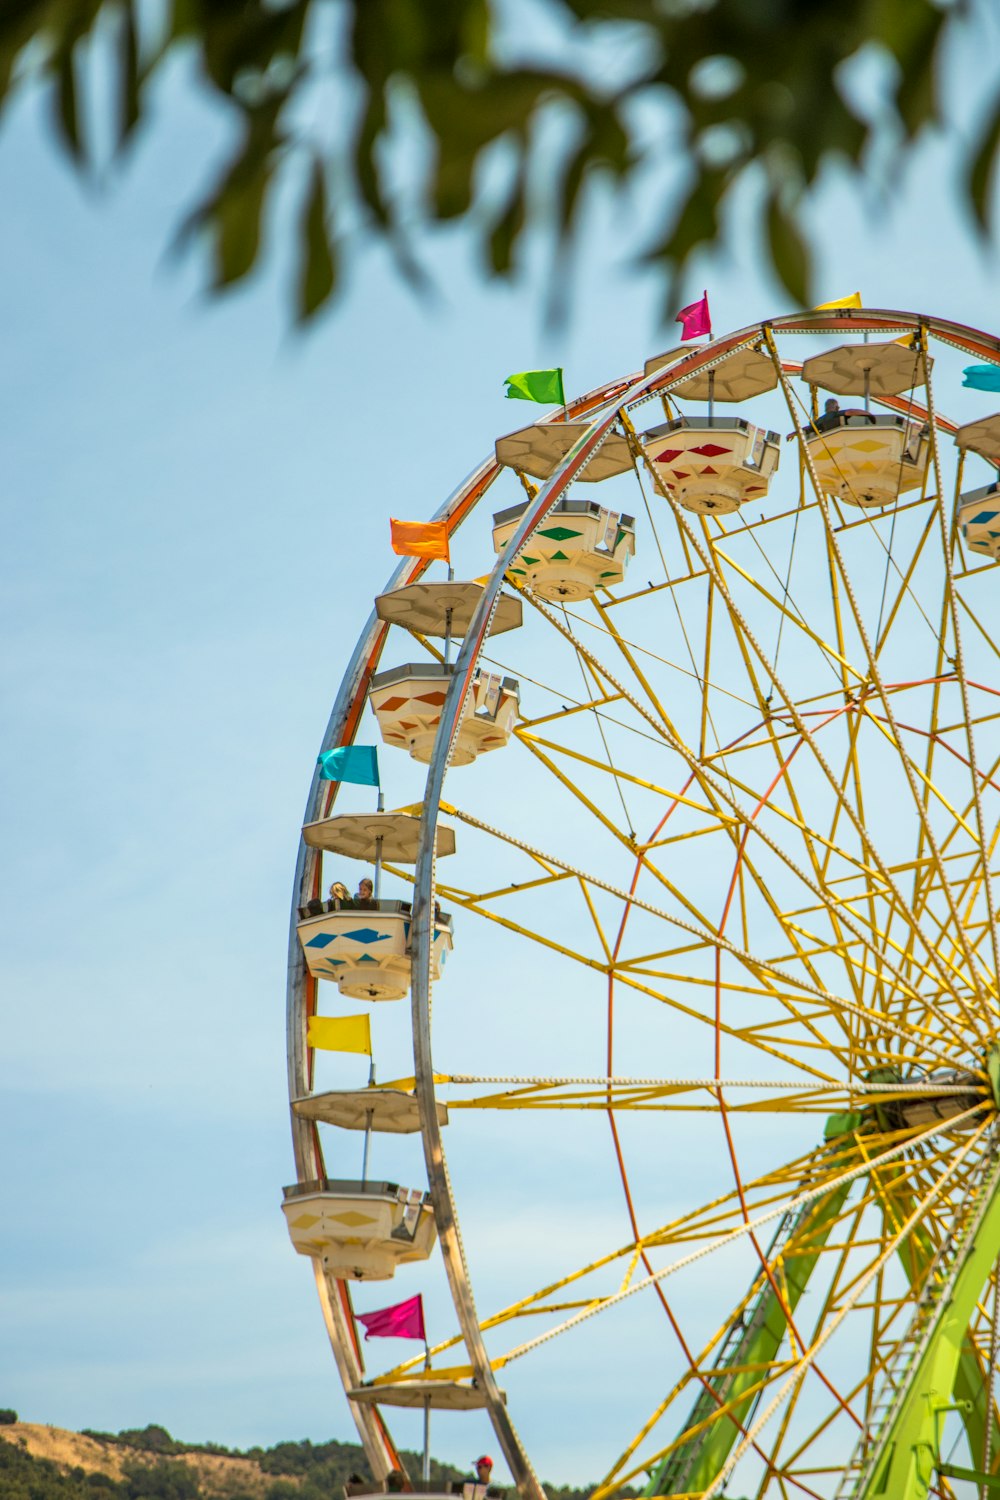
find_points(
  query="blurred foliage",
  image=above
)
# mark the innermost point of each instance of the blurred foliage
(389, 116)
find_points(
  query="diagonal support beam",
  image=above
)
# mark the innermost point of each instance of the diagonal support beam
(691, 1466)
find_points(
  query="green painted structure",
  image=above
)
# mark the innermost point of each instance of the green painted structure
(906, 1455)
(946, 1372)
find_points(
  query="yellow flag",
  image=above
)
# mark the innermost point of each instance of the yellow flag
(340, 1033)
(854, 300)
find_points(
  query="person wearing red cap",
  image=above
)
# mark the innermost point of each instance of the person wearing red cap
(480, 1488)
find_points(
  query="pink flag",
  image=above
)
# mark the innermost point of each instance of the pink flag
(404, 1321)
(696, 319)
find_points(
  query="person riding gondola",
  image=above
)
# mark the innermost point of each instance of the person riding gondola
(480, 1487)
(835, 415)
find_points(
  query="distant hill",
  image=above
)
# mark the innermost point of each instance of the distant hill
(50, 1463)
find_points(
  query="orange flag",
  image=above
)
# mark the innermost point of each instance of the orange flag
(420, 539)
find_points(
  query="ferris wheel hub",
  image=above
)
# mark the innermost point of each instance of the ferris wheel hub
(961, 1091)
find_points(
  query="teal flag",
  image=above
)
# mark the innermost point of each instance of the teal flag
(357, 763)
(537, 385)
(981, 377)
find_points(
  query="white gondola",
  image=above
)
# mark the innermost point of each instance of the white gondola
(365, 950)
(579, 547)
(444, 608)
(439, 1395)
(739, 376)
(979, 518)
(394, 836)
(407, 702)
(868, 460)
(359, 1231)
(712, 465)
(385, 1111)
(877, 369)
(982, 437)
(540, 449)
(860, 458)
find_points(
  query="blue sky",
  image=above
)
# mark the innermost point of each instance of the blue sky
(196, 521)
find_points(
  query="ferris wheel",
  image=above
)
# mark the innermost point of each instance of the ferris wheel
(692, 768)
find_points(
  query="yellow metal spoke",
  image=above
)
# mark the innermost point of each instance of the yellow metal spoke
(753, 962)
(876, 680)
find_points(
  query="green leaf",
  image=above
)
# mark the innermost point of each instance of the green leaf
(317, 273)
(911, 29)
(465, 121)
(16, 31)
(232, 212)
(980, 177)
(475, 31)
(67, 107)
(507, 227)
(128, 75)
(789, 253)
(452, 179)
(371, 41)
(236, 225)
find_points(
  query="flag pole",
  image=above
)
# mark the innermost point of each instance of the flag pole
(368, 1125)
(711, 396)
(378, 850)
(447, 618)
(427, 1419)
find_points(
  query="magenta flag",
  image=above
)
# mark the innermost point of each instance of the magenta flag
(404, 1321)
(695, 319)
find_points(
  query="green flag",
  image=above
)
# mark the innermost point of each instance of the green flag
(537, 385)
